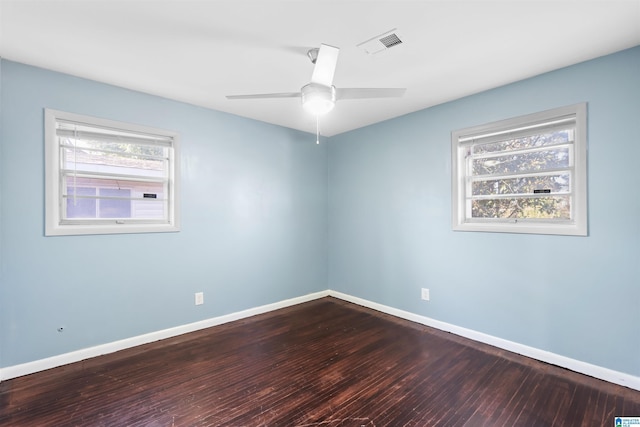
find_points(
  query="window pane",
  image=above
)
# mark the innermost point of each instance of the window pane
(142, 200)
(531, 141)
(556, 183)
(78, 207)
(115, 208)
(149, 209)
(130, 162)
(139, 189)
(522, 162)
(556, 207)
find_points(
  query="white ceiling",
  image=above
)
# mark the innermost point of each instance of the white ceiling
(200, 51)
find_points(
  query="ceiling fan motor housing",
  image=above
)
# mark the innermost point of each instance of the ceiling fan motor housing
(318, 99)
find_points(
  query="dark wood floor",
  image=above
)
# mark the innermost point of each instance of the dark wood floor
(322, 363)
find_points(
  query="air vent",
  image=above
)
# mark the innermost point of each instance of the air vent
(390, 40)
(382, 42)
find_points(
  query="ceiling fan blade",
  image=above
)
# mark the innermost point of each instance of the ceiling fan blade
(325, 65)
(267, 95)
(363, 93)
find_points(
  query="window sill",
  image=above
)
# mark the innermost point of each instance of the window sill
(89, 229)
(524, 227)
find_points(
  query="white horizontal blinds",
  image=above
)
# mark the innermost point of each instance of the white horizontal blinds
(515, 132)
(110, 136)
(108, 173)
(523, 173)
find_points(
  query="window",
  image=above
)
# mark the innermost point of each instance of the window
(522, 175)
(105, 177)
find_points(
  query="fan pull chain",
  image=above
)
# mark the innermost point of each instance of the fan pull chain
(317, 129)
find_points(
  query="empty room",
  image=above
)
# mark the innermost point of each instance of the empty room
(319, 213)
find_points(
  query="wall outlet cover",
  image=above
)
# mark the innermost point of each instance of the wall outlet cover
(199, 298)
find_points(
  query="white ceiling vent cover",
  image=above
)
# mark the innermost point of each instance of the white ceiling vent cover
(382, 42)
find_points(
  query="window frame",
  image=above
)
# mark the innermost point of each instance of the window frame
(56, 225)
(461, 139)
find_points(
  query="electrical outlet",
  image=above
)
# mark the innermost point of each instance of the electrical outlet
(199, 298)
(425, 294)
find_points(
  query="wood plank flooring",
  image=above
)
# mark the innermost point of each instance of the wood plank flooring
(323, 363)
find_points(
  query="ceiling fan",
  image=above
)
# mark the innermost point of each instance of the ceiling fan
(319, 96)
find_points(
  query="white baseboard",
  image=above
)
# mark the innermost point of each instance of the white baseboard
(595, 371)
(78, 355)
(605, 374)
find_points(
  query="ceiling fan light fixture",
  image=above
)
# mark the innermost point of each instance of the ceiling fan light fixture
(318, 99)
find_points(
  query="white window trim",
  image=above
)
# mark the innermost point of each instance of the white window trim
(53, 209)
(577, 226)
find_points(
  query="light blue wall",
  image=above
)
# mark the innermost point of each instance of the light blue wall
(390, 228)
(259, 224)
(254, 228)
